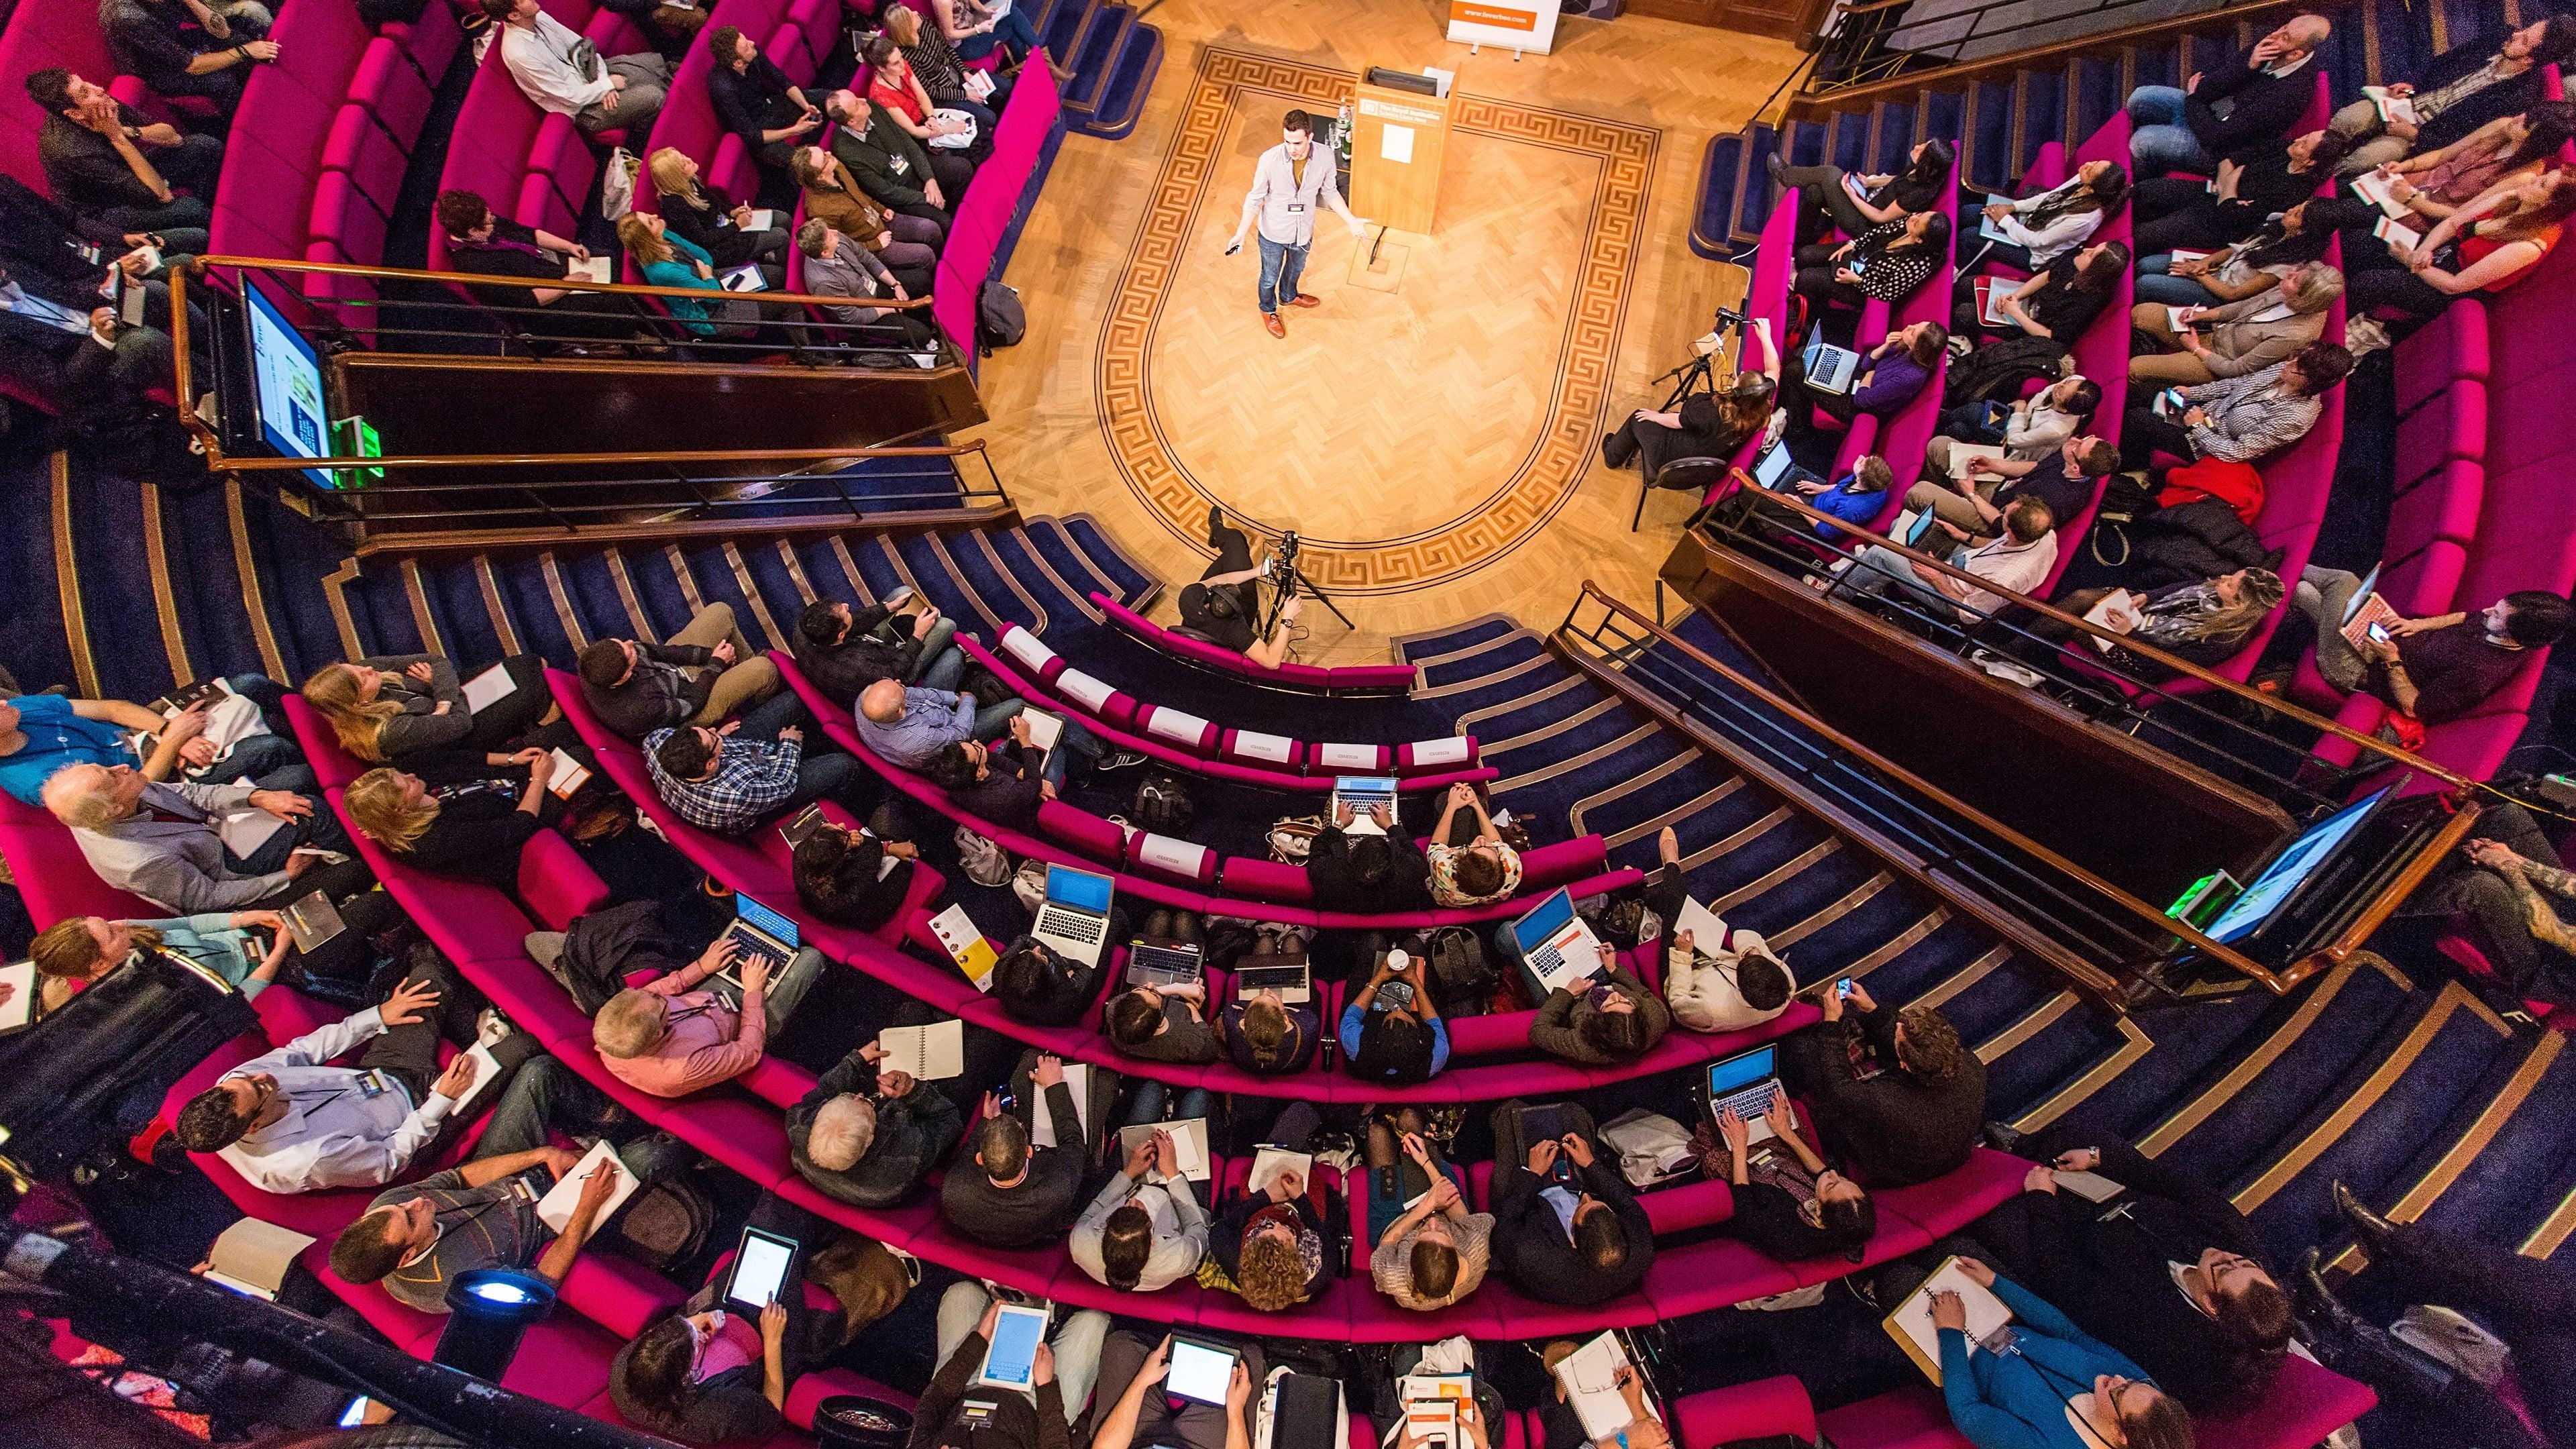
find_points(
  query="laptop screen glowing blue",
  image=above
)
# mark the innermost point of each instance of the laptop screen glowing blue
(755, 914)
(1532, 930)
(1078, 889)
(1733, 1075)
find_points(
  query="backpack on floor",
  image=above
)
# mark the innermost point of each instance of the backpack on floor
(666, 1223)
(1163, 805)
(1462, 980)
(985, 863)
(1000, 320)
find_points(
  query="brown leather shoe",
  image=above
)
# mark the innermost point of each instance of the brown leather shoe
(1271, 321)
(1305, 299)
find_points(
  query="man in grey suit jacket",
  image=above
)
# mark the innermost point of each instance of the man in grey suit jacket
(164, 842)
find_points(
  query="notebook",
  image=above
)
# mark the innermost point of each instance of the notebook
(245, 830)
(1077, 1080)
(312, 921)
(488, 688)
(1911, 1324)
(1986, 227)
(2388, 229)
(1991, 292)
(2090, 1186)
(2375, 188)
(570, 774)
(2116, 611)
(19, 1011)
(1044, 729)
(487, 1071)
(1269, 1163)
(1590, 1376)
(251, 1257)
(591, 269)
(762, 219)
(1189, 1143)
(932, 1053)
(1967, 459)
(965, 945)
(2396, 108)
(556, 1207)
(1707, 929)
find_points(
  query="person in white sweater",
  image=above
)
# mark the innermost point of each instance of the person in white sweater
(1142, 1236)
(567, 76)
(1717, 989)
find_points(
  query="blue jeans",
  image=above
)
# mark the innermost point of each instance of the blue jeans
(817, 776)
(1145, 1108)
(993, 719)
(2156, 284)
(942, 664)
(1074, 741)
(2161, 142)
(1281, 267)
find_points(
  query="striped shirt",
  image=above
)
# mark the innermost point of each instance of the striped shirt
(2249, 416)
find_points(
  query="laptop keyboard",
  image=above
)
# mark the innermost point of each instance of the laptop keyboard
(1545, 961)
(748, 948)
(1086, 929)
(1749, 1104)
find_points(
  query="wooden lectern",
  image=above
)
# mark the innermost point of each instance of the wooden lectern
(1398, 138)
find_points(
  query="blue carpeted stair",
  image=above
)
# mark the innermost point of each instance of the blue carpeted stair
(1113, 55)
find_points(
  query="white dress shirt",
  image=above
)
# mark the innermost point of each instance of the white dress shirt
(1286, 194)
(540, 59)
(344, 1127)
(1179, 1228)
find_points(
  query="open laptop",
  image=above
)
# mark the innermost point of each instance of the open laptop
(1153, 964)
(756, 930)
(1829, 368)
(1747, 1083)
(1289, 978)
(1557, 945)
(1361, 792)
(1074, 919)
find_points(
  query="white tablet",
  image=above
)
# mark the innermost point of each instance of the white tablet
(1200, 1372)
(1012, 1359)
(760, 1268)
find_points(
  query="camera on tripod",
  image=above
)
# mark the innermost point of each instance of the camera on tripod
(1281, 569)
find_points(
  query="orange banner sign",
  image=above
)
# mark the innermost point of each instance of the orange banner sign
(1468, 12)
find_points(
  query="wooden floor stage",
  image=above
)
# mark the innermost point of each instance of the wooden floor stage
(1432, 429)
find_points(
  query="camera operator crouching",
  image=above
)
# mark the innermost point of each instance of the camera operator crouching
(1224, 607)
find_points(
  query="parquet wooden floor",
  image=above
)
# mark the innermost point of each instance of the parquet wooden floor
(1435, 443)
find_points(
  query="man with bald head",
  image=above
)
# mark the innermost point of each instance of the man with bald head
(909, 725)
(165, 842)
(2247, 105)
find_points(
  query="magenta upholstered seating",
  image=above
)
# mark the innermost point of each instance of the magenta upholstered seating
(38, 36)
(1911, 429)
(1371, 678)
(1767, 299)
(429, 43)
(1746, 1411)
(359, 147)
(50, 872)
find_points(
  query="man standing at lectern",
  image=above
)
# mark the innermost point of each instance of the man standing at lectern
(1288, 182)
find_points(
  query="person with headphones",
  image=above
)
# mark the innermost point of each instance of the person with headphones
(1224, 607)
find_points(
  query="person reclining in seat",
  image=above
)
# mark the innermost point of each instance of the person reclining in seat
(868, 1135)
(707, 672)
(1035, 986)
(1141, 1236)
(288, 1122)
(210, 59)
(842, 651)
(419, 1238)
(2435, 669)
(114, 168)
(1224, 607)
(1911, 1122)
(730, 779)
(756, 101)
(40, 734)
(890, 166)
(1392, 1031)
(2168, 1272)
(1469, 860)
(1435, 1252)
(468, 824)
(2019, 561)
(1971, 510)
(565, 75)
(2181, 128)
(1573, 1234)
(1165, 1023)
(1367, 873)
(1788, 1205)
(395, 705)
(482, 243)
(841, 874)
(670, 1038)
(1136, 1413)
(1616, 1019)
(2241, 419)
(1005, 1191)
(165, 842)
(910, 726)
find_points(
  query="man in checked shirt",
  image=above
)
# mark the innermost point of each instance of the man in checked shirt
(730, 779)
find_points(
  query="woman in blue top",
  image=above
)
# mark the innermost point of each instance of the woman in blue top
(2051, 1387)
(665, 260)
(72, 953)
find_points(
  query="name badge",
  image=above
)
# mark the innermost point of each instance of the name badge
(899, 166)
(370, 1085)
(1296, 206)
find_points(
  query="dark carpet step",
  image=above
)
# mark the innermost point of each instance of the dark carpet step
(1047, 537)
(2526, 1171)
(1131, 79)
(1503, 653)
(2189, 1039)
(1713, 203)
(1110, 561)
(1065, 609)
(1417, 648)
(1630, 805)
(1094, 55)
(2072, 1042)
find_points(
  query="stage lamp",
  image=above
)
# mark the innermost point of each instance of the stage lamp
(489, 1310)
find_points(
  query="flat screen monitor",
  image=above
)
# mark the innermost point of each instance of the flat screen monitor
(287, 378)
(2297, 864)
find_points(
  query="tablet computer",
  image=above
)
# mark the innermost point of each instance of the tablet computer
(1200, 1371)
(760, 1264)
(1011, 1360)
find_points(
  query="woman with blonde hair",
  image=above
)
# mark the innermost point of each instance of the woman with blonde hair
(469, 826)
(250, 949)
(390, 705)
(2246, 335)
(664, 258)
(714, 222)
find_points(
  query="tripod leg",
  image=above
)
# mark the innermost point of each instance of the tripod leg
(1638, 518)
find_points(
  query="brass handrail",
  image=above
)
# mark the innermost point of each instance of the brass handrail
(576, 460)
(1737, 479)
(2155, 916)
(1957, 72)
(472, 279)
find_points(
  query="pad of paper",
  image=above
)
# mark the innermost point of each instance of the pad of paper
(1707, 931)
(2389, 230)
(486, 1072)
(2091, 1186)
(556, 1207)
(1189, 1144)
(1077, 1081)
(245, 830)
(932, 1053)
(762, 219)
(488, 689)
(1269, 1164)
(1911, 1324)
(589, 269)
(568, 776)
(251, 1257)
(1044, 729)
(1590, 1375)
(1969, 459)
(20, 1008)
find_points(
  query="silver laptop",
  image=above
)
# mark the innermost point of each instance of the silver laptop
(756, 930)
(1153, 964)
(1748, 1083)
(1773, 467)
(1074, 919)
(1289, 979)
(1361, 793)
(1830, 368)
(1556, 944)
